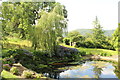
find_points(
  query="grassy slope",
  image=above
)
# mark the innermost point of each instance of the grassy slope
(7, 74)
(87, 50)
(94, 51)
(98, 51)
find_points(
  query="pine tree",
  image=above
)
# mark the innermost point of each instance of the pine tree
(98, 33)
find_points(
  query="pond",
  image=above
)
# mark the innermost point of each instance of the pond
(88, 69)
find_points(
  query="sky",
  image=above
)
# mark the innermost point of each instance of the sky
(82, 13)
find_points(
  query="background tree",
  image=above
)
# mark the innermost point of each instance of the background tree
(73, 33)
(75, 36)
(98, 34)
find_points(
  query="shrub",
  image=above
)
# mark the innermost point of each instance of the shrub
(82, 53)
(89, 44)
(80, 44)
(27, 74)
(8, 60)
(66, 41)
(14, 70)
(8, 53)
(6, 67)
(39, 75)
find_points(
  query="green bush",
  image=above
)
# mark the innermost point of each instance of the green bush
(66, 41)
(14, 70)
(82, 53)
(89, 44)
(80, 44)
(6, 67)
(39, 75)
(8, 60)
(8, 53)
(27, 74)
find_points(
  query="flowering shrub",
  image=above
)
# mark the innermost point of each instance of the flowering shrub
(14, 70)
(6, 67)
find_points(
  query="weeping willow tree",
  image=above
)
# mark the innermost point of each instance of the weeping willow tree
(49, 26)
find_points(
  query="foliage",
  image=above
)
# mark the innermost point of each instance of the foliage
(8, 60)
(8, 53)
(14, 70)
(40, 57)
(85, 32)
(20, 20)
(82, 53)
(75, 37)
(6, 67)
(115, 39)
(60, 39)
(24, 57)
(19, 17)
(80, 44)
(49, 27)
(66, 41)
(73, 33)
(89, 44)
(78, 38)
(98, 34)
(27, 74)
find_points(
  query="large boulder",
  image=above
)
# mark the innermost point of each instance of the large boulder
(62, 51)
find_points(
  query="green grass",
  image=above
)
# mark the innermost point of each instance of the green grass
(6, 74)
(17, 41)
(93, 51)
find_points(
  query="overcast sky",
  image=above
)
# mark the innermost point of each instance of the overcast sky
(81, 13)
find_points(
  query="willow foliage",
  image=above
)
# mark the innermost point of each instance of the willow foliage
(49, 26)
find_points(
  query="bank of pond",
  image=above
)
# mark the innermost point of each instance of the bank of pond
(72, 64)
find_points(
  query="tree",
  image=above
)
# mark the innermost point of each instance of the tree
(19, 17)
(75, 36)
(50, 25)
(73, 33)
(78, 38)
(98, 33)
(116, 38)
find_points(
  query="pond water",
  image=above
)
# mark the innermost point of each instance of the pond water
(88, 69)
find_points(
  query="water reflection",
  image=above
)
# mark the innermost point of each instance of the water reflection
(90, 69)
(53, 75)
(117, 69)
(97, 71)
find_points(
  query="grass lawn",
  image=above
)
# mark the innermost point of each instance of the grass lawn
(94, 51)
(6, 74)
(13, 42)
(98, 51)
